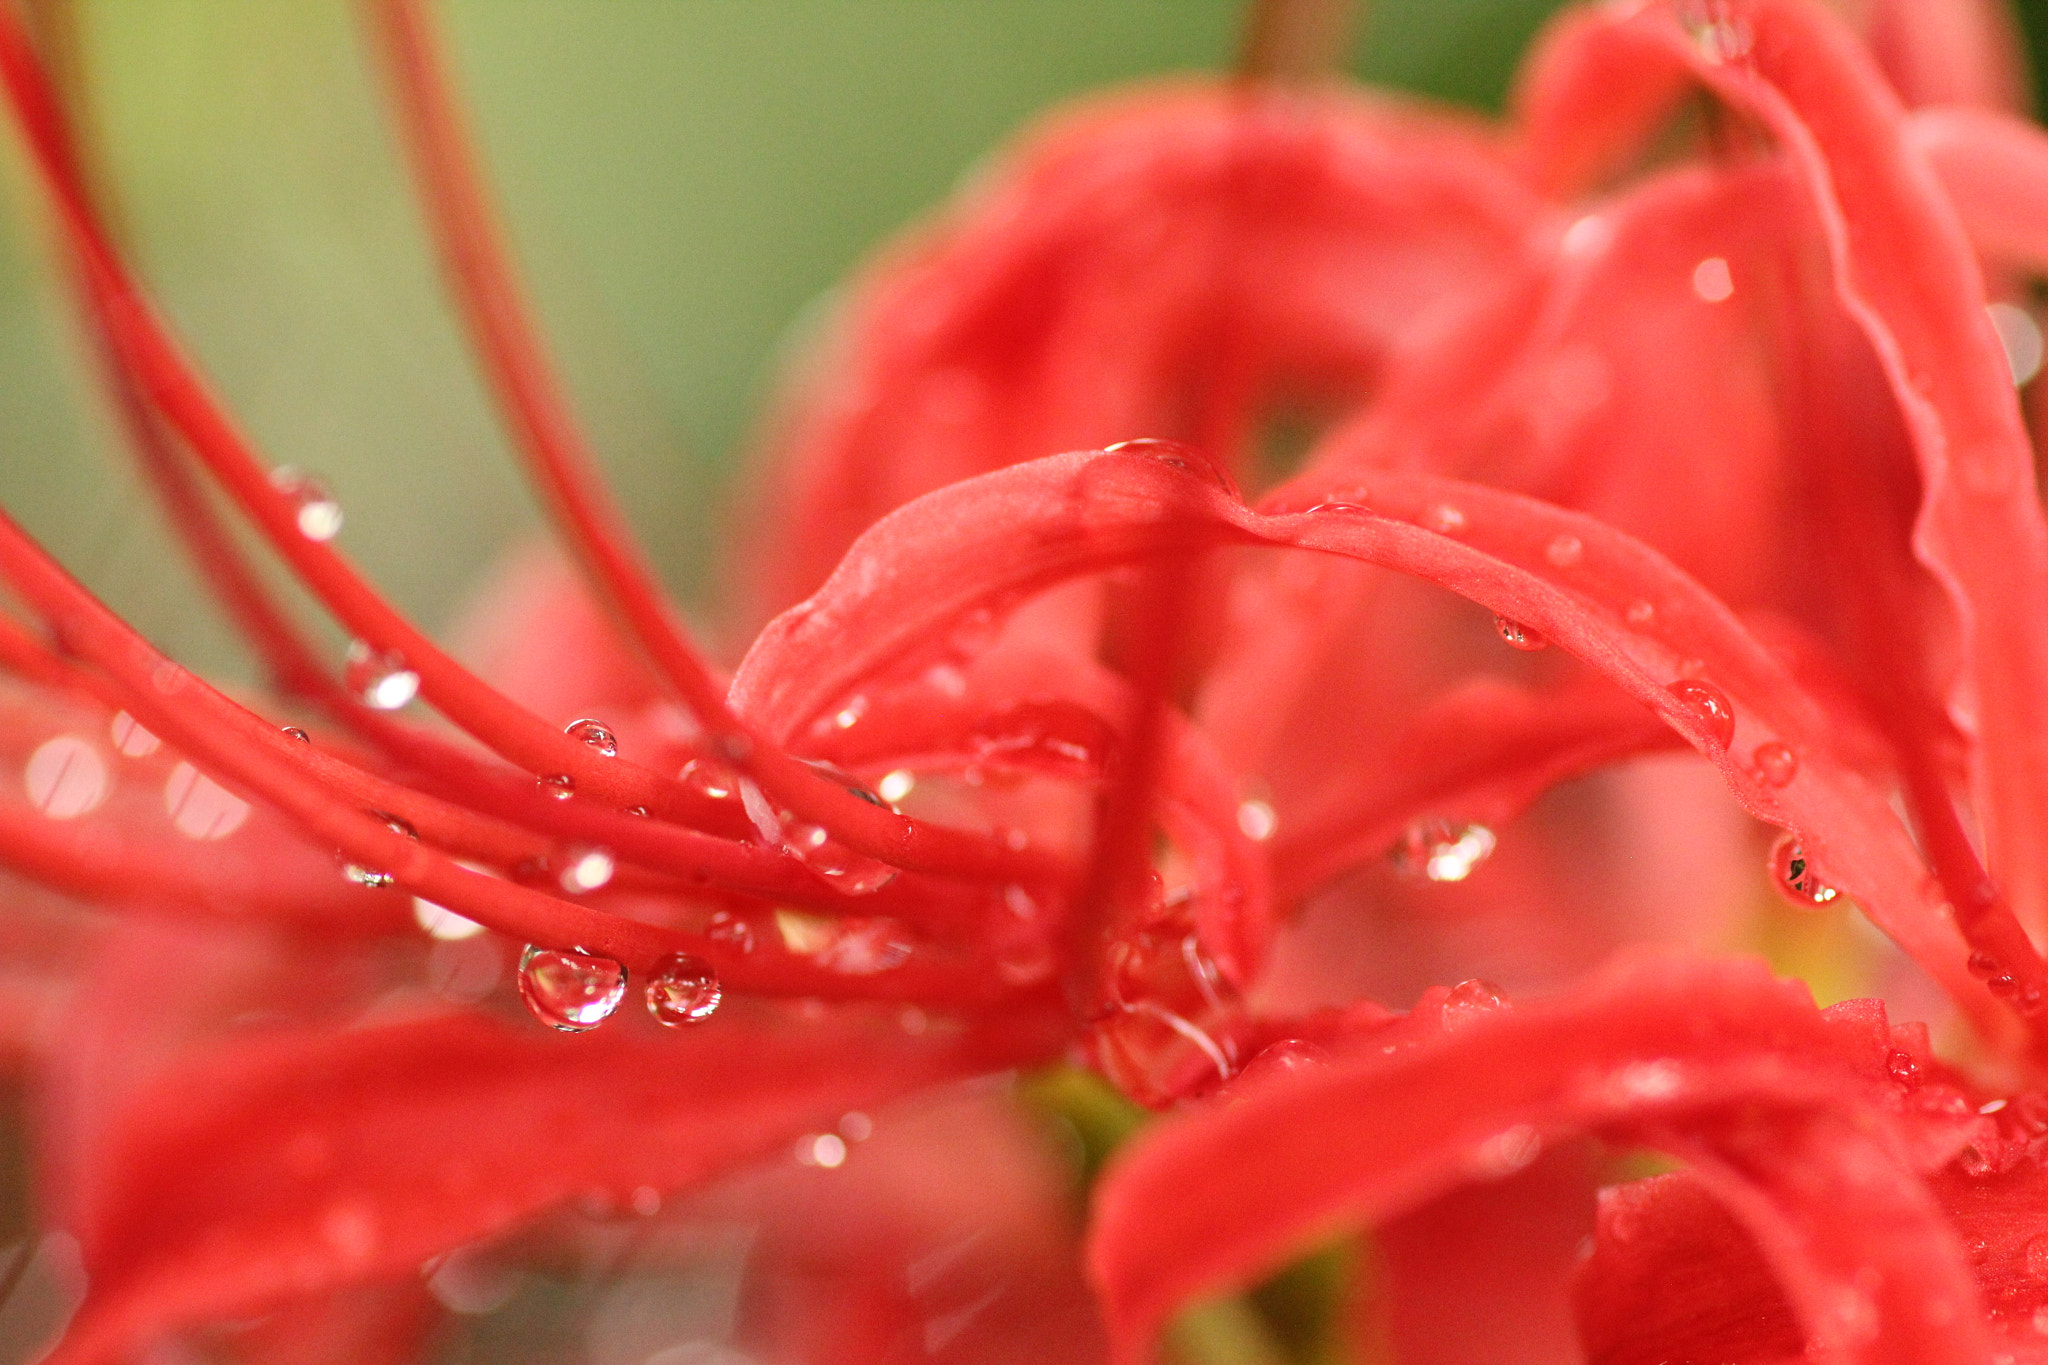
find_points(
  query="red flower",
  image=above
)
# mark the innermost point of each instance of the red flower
(1682, 385)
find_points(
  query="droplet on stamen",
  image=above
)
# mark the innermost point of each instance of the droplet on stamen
(594, 734)
(376, 879)
(587, 869)
(1708, 705)
(570, 991)
(379, 678)
(1518, 635)
(1776, 764)
(683, 990)
(1795, 877)
(556, 786)
(318, 513)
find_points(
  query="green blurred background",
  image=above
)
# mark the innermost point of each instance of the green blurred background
(682, 179)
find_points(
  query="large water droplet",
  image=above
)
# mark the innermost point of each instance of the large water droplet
(379, 678)
(594, 734)
(854, 874)
(1794, 876)
(556, 786)
(1176, 455)
(1519, 635)
(1432, 849)
(1472, 1000)
(1776, 764)
(66, 777)
(570, 991)
(1708, 705)
(319, 515)
(683, 990)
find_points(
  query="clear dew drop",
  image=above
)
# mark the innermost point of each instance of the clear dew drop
(318, 513)
(1794, 877)
(594, 734)
(375, 878)
(683, 990)
(1902, 1066)
(1708, 705)
(572, 992)
(556, 786)
(1434, 851)
(294, 732)
(1175, 455)
(1472, 1000)
(379, 678)
(1563, 551)
(1518, 635)
(1776, 764)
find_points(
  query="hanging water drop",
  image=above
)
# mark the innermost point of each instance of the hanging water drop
(1708, 705)
(1793, 874)
(379, 678)
(1776, 764)
(556, 786)
(375, 878)
(683, 990)
(294, 732)
(593, 733)
(1432, 849)
(1519, 635)
(571, 991)
(1175, 455)
(1472, 1000)
(318, 514)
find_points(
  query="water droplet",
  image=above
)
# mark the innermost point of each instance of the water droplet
(638, 812)
(1563, 551)
(1795, 877)
(379, 678)
(199, 807)
(2020, 335)
(374, 878)
(710, 778)
(2037, 1258)
(587, 869)
(683, 990)
(1709, 706)
(1444, 519)
(1712, 281)
(1776, 764)
(1984, 966)
(1058, 735)
(1519, 635)
(594, 734)
(849, 715)
(66, 777)
(1432, 849)
(863, 947)
(731, 930)
(1257, 820)
(1472, 1000)
(1175, 455)
(827, 1150)
(556, 786)
(1903, 1066)
(294, 732)
(319, 515)
(1288, 1057)
(570, 991)
(1506, 1152)
(896, 785)
(1357, 508)
(130, 739)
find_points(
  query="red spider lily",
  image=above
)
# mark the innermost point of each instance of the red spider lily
(1682, 385)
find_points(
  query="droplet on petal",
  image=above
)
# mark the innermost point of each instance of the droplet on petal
(294, 732)
(1776, 764)
(66, 777)
(1432, 849)
(1708, 705)
(556, 786)
(572, 992)
(319, 514)
(1563, 551)
(379, 678)
(1471, 1000)
(710, 778)
(1794, 876)
(1903, 1066)
(683, 990)
(587, 869)
(594, 734)
(1176, 455)
(1519, 635)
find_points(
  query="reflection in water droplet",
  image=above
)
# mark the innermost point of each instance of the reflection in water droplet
(852, 873)
(594, 734)
(294, 732)
(683, 990)
(1519, 635)
(371, 877)
(1794, 876)
(379, 679)
(587, 869)
(1563, 551)
(66, 777)
(1776, 764)
(199, 807)
(556, 786)
(1708, 705)
(319, 514)
(1432, 849)
(1471, 1000)
(130, 739)
(1902, 1065)
(570, 991)
(1288, 1057)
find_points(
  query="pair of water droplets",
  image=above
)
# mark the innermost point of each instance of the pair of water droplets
(810, 843)
(574, 991)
